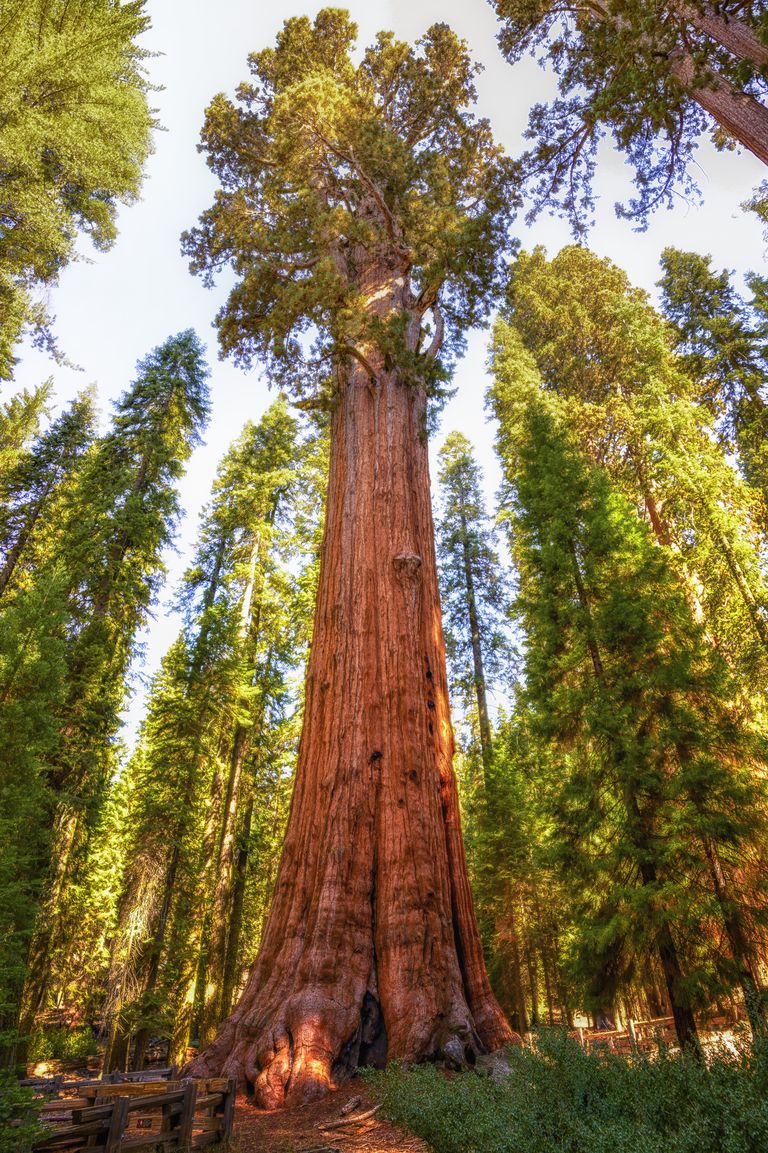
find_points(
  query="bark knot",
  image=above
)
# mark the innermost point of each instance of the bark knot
(407, 565)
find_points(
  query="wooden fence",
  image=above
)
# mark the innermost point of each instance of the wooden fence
(644, 1035)
(138, 1116)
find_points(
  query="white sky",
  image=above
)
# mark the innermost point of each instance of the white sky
(117, 306)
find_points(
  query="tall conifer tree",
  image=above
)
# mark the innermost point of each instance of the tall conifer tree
(474, 598)
(221, 691)
(121, 516)
(723, 340)
(621, 674)
(366, 202)
(598, 342)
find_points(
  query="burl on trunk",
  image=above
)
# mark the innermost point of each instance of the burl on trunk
(371, 951)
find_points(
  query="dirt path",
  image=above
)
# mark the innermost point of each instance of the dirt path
(301, 1130)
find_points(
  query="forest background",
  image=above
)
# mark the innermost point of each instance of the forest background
(631, 766)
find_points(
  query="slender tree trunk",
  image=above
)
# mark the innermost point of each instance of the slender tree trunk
(533, 980)
(371, 947)
(48, 920)
(214, 1010)
(230, 970)
(152, 970)
(216, 951)
(477, 651)
(191, 942)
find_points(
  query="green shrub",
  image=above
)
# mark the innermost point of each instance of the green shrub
(63, 1044)
(559, 1099)
(19, 1121)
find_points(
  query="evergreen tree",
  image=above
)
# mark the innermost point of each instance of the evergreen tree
(74, 135)
(652, 76)
(660, 784)
(19, 423)
(598, 343)
(472, 590)
(214, 709)
(121, 516)
(33, 639)
(723, 340)
(366, 203)
(36, 492)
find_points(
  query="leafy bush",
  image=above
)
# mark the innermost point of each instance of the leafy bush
(19, 1122)
(559, 1099)
(63, 1044)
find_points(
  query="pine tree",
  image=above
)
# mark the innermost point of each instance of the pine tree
(652, 76)
(74, 135)
(19, 424)
(623, 678)
(472, 589)
(33, 641)
(216, 704)
(121, 516)
(722, 339)
(36, 491)
(368, 198)
(598, 342)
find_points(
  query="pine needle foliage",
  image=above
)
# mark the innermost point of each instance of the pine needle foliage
(74, 136)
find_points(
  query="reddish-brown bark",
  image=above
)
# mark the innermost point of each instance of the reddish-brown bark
(371, 950)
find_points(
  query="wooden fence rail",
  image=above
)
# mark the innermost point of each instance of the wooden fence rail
(61, 1081)
(644, 1035)
(139, 1116)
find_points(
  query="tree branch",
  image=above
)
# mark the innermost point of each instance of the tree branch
(362, 360)
(437, 339)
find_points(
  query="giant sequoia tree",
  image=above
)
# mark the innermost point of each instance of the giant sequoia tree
(356, 203)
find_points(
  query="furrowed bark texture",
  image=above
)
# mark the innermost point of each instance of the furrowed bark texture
(371, 950)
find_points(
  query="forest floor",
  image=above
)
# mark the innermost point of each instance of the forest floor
(303, 1129)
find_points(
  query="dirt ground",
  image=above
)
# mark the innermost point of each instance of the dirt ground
(304, 1129)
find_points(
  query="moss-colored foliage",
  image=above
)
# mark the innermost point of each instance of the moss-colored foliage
(20, 1125)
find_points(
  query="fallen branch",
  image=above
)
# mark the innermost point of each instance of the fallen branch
(350, 1120)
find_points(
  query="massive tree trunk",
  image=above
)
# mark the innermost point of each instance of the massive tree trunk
(739, 113)
(371, 949)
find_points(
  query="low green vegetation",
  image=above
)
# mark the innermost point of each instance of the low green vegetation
(559, 1099)
(19, 1122)
(63, 1044)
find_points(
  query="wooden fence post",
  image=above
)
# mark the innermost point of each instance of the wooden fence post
(228, 1115)
(117, 1125)
(187, 1114)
